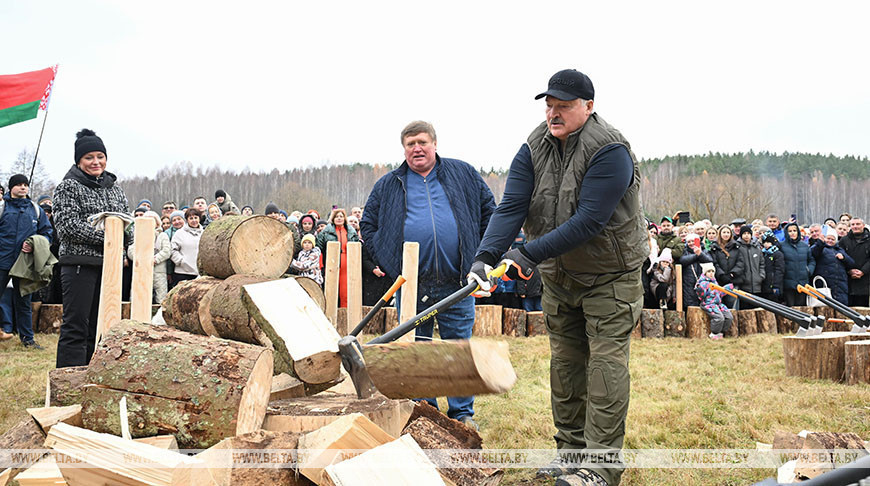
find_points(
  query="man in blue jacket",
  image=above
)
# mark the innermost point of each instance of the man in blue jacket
(444, 205)
(20, 219)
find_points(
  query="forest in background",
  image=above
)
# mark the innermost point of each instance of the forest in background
(715, 186)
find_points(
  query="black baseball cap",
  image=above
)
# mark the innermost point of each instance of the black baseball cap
(569, 84)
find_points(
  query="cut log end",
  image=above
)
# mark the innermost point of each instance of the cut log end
(255, 397)
(493, 362)
(321, 367)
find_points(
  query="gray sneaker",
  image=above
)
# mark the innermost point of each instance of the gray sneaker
(556, 468)
(32, 344)
(583, 477)
(469, 422)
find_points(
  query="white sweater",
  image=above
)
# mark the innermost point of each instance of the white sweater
(185, 249)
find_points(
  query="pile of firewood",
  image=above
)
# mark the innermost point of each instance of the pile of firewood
(248, 362)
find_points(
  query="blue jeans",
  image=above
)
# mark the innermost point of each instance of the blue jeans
(455, 322)
(532, 304)
(20, 307)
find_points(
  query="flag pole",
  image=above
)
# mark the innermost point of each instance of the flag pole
(33, 167)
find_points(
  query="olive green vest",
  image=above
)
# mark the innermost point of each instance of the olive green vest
(623, 243)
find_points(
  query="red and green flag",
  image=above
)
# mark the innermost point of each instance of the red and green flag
(23, 95)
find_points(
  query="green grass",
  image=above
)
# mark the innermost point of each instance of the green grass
(693, 394)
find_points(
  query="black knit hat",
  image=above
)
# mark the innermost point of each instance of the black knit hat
(220, 193)
(18, 179)
(87, 141)
(745, 229)
(271, 208)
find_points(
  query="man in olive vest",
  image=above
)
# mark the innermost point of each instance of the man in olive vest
(574, 187)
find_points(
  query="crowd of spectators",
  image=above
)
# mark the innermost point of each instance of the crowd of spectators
(768, 258)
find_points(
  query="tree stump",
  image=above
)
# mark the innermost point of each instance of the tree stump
(199, 389)
(825, 311)
(535, 324)
(765, 321)
(65, 385)
(734, 330)
(857, 362)
(652, 323)
(513, 322)
(805, 309)
(50, 318)
(675, 323)
(747, 322)
(254, 245)
(487, 320)
(391, 318)
(341, 324)
(864, 311)
(636, 332)
(837, 326)
(312, 288)
(376, 324)
(697, 323)
(820, 357)
(785, 325)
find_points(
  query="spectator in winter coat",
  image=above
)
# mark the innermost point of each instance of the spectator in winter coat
(711, 236)
(724, 254)
(711, 302)
(774, 268)
(168, 208)
(815, 234)
(857, 245)
(145, 203)
(307, 262)
(224, 202)
(846, 218)
(165, 223)
(307, 224)
(749, 269)
(831, 264)
(799, 265)
(162, 251)
(663, 283)
(214, 212)
(843, 229)
(86, 189)
(692, 258)
(247, 211)
(201, 206)
(773, 224)
(338, 230)
(668, 239)
(185, 248)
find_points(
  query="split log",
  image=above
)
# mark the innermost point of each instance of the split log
(765, 321)
(200, 389)
(93, 458)
(535, 324)
(652, 323)
(65, 385)
(440, 368)
(27, 434)
(219, 466)
(47, 417)
(430, 435)
(468, 437)
(186, 306)
(674, 323)
(312, 288)
(820, 357)
(811, 464)
(857, 362)
(372, 467)
(513, 322)
(391, 318)
(487, 320)
(325, 445)
(166, 442)
(50, 318)
(297, 328)
(255, 245)
(44, 473)
(747, 322)
(301, 415)
(376, 324)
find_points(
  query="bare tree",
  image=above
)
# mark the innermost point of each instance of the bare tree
(41, 183)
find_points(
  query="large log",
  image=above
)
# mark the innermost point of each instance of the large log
(747, 322)
(229, 314)
(857, 362)
(297, 328)
(186, 306)
(65, 385)
(513, 322)
(430, 435)
(765, 321)
(50, 318)
(254, 245)
(535, 324)
(312, 288)
(652, 323)
(487, 320)
(200, 389)
(301, 415)
(440, 368)
(27, 434)
(820, 357)
(674, 323)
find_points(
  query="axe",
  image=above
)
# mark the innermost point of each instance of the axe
(805, 321)
(860, 325)
(352, 355)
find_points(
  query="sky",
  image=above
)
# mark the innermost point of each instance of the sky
(263, 85)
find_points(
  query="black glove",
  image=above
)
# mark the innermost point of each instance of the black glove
(478, 275)
(520, 265)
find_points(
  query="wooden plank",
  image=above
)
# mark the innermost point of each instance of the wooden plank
(110, 284)
(487, 320)
(330, 287)
(678, 268)
(142, 289)
(372, 467)
(44, 473)
(410, 262)
(325, 445)
(295, 325)
(47, 417)
(354, 284)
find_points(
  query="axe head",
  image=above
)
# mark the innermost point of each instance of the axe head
(352, 359)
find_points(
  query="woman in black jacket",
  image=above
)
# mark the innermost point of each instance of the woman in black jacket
(774, 267)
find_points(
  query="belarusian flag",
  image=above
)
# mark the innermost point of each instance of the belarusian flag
(22, 95)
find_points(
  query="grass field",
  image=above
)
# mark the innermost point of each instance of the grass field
(692, 394)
